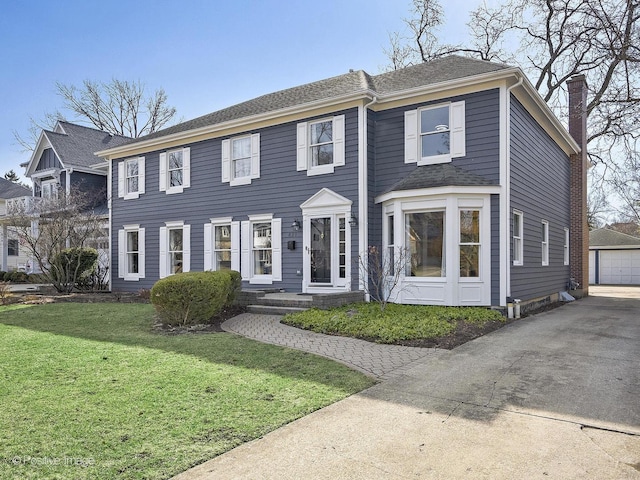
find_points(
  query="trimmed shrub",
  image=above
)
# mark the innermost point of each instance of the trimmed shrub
(2, 275)
(190, 298)
(235, 287)
(16, 277)
(36, 278)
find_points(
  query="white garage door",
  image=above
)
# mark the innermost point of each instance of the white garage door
(620, 267)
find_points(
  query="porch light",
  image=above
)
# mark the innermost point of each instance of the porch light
(353, 221)
(295, 225)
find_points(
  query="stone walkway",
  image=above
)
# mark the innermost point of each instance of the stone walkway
(380, 361)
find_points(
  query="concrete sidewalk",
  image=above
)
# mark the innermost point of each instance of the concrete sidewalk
(551, 396)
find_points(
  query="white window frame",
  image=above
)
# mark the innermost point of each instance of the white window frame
(165, 254)
(544, 244)
(11, 241)
(304, 146)
(165, 174)
(566, 246)
(123, 184)
(247, 246)
(51, 186)
(228, 175)
(123, 264)
(518, 238)
(210, 239)
(413, 135)
(478, 243)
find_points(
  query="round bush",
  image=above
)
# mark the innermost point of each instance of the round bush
(190, 298)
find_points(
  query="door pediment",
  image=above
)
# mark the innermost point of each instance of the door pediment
(326, 199)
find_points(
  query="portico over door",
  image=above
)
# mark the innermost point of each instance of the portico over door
(326, 243)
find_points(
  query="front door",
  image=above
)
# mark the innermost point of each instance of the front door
(321, 251)
(326, 253)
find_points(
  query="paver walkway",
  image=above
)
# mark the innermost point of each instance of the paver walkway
(380, 361)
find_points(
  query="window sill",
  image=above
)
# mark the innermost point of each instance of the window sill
(262, 280)
(130, 196)
(434, 160)
(321, 170)
(132, 278)
(172, 190)
(240, 181)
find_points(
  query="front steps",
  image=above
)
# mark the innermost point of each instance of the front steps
(278, 302)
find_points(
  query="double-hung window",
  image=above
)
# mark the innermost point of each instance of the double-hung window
(222, 244)
(566, 246)
(131, 178)
(13, 247)
(261, 249)
(545, 242)
(175, 248)
(518, 250)
(435, 134)
(470, 243)
(175, 170)
(321, 145)
(49, 189)
(131, 252)
(241, 159)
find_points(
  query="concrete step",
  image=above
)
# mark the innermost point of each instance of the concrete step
(285, 300)
(273, 309)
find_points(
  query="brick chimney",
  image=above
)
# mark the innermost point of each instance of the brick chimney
(579, 229)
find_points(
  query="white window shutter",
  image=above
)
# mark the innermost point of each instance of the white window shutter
(141, 255)
(164, 260)
(186, 248)
(411, 136)
(255, 155)
(276, 249)
(235, 246)
(245, 245)
(208, 246)
(302, 146)
(163, 172)
(121, 179)
(122, 258)
(141, 175)
(226, 161)
(338, 140)
(186, 167)
(458, 141)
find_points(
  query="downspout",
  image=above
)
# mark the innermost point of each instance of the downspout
(505, 202)
(363, 201)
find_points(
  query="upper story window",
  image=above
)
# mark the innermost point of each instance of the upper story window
(518, 250)
(175, 170)
(131, 252)
(49, 189)
(545, 242)
(241, 159)
(435, 134)
(131, 178)
(321, 145)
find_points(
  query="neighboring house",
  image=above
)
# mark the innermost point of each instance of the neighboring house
(457, 162)
(614, 258)
(63, 160)
(14, 256)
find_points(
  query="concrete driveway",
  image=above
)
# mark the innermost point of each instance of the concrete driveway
(556, 395)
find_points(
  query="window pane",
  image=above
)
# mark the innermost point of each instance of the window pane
(175, 178)
(223, 237)
(516, 224)
(434, 119)
(322, 155)
(175, 159)
(242, 168)
(262, 235)
(469, 226)
(132, 184)
(223, 260)
(175, 240)
(132, 241)
(435, 144)
(390, 228)
(469, 260)
(176, 262)
(132, 263)
(262, 262)
(132, 168)
(425, 238)
(241, 148)
(321, 132)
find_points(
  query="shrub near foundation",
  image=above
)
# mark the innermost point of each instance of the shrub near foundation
(191, 298)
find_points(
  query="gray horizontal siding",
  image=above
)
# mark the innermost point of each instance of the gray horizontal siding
(280, 190)
(540, 189)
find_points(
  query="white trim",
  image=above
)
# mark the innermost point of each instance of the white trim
(520, 251)
(261, 217)
(227, 160)
(448, 190)
(303, 145)
(566, 247)
(544, 243)
(123, 262)
(505, 194)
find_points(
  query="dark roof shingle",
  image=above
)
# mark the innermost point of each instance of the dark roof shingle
(440, 175)
(10, 189)
(603, 237)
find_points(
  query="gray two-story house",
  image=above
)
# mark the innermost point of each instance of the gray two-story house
(456, 165)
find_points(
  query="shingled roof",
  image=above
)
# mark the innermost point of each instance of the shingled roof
(603, 237)
(10, 189)
(76, 147)
(436, 71)
(440, 175)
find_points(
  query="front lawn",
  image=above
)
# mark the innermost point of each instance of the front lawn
(415, 325)
(90, 391)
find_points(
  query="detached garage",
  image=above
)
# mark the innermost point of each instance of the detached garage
(614, 258)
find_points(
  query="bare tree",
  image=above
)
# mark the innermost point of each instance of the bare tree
(385, 272)
(55, 231)
(119, 107)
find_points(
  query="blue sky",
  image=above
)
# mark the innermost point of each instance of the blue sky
(205, 54)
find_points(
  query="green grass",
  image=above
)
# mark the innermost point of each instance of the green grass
(396, 323)
(92, 388)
